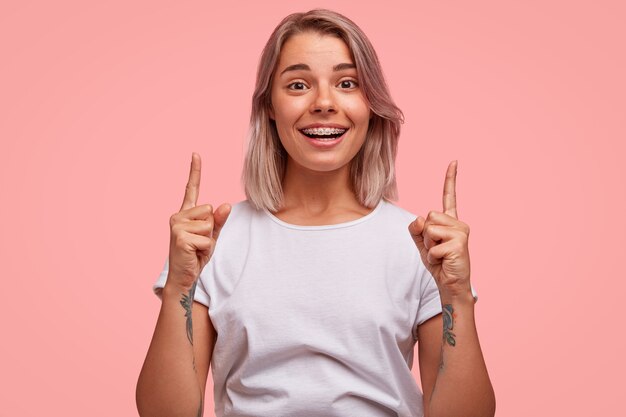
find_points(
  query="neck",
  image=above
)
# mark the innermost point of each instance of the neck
(315, 191)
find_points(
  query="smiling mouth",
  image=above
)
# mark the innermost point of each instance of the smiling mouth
(324, 133)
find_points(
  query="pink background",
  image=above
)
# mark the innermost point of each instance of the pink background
(102, 103)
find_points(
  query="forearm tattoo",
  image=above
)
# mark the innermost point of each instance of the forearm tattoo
(187, 303)
(448, 325)
(448, 336)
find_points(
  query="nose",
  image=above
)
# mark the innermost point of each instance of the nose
(324, 101)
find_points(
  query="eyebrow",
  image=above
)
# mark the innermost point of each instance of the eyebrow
(305, 67)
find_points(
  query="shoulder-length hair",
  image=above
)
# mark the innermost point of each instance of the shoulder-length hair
(372, 171)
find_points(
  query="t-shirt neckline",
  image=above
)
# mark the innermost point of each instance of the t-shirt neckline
(327, 226)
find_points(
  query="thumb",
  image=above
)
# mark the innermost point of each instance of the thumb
(219, 217)
(416, 228)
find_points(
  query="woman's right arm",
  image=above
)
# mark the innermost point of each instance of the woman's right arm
(173, 378)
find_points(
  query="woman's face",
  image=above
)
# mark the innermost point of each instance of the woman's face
(320, 112)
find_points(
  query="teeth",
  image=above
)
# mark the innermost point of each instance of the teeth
(323, 131)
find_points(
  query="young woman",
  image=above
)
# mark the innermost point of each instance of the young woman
(308, 297)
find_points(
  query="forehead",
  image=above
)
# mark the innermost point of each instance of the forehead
(312, 47)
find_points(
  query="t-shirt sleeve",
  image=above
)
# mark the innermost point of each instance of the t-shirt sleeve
(200, 294)
(430, 302)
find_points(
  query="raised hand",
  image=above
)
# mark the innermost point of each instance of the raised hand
(442, 241)
(194, 231)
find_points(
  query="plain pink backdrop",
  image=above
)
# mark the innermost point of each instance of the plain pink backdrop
(102, 103)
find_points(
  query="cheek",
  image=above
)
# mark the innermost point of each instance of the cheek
(357, 111)
(286, 119)
(287, 112)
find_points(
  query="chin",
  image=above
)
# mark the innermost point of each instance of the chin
(321, 166)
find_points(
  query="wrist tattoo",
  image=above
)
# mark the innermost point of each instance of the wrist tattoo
(448, 325)
(187, 303)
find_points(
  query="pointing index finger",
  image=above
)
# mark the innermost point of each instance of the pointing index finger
(193, 184)
(449, 191)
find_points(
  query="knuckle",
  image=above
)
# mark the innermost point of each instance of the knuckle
(432, 214)
(207, 211)
(431, 258)
(204, 228)
(180, 241)
(463, 227)
(462, 238)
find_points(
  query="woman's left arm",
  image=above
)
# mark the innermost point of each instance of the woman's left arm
(454, 375)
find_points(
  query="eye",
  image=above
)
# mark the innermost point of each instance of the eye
(298, 85)
(348, 84)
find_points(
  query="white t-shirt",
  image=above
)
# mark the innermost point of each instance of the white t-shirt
(315, 320)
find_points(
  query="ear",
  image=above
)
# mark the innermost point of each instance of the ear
(270, 110)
